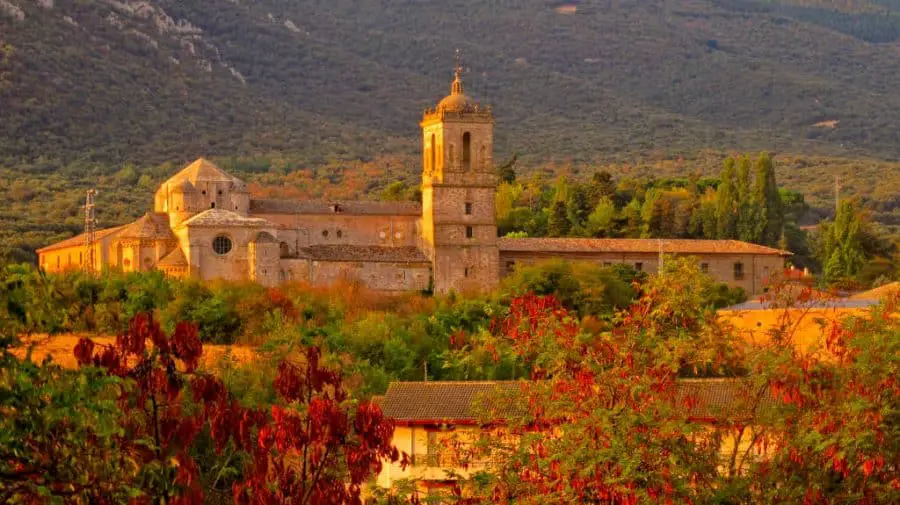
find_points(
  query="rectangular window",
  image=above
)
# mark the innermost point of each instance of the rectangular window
(470, 232)
(510, 265)
(704, 267)
(468, 209)
(607, 263)
(466, 272)
(738, 271)
(639, 266)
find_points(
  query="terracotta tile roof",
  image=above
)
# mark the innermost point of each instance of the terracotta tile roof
(174, 259)
(427, 402)
(448, 401)
(202, 170)
(78, 240)
(717, 398)
(335, 207)
(363, 253)
(633, 245)
(221, 217)
(149, 226)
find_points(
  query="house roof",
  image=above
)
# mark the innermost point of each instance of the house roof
(175, 258)
(79, 240)
(376, 254)
(630, 245)
(150, 226)
(452, 402)
(222, 217)
(202, 170)
(335, 207)
(461, 402)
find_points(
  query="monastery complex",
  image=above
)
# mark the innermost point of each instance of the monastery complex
(206, 225)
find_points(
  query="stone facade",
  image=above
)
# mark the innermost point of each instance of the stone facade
(205, 225)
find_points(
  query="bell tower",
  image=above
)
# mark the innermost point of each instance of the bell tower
(458, 183)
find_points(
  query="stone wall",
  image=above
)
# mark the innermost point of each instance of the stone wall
(757, 269)
(303, 230)
(374, 275)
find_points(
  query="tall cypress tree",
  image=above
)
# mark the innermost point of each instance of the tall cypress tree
(748, 212)
(768, 201)
(843, 254)
(558, 224)
(726, 203)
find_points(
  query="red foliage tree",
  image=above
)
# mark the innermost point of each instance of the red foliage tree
(318, 448)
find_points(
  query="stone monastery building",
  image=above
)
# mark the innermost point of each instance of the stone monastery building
(205, 225)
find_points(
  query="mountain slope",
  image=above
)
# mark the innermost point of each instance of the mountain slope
(155, 80)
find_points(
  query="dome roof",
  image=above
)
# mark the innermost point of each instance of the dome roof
(456, 103)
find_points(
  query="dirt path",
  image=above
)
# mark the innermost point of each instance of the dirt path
(60, 347)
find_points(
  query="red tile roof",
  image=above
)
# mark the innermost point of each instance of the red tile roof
(451, 402)
(461, 402)
(350, 208)
(633, 245)
(79, 240)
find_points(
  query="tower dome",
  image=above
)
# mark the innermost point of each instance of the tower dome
(456, 101)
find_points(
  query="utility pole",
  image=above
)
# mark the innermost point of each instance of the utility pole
(90, 231)
(662, 258)
(425, 366)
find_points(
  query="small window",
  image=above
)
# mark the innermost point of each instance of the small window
(219, 192)
(510, 265)
(212, 205)
(738, 271)
(340, 234)
(470, 232)
(466, 272)
(80, 258)
(57, 262)
(639, 266)
(704, 267)
(203, 192)
(325, 233)
(222, 245)
(468, 208)
(607, 263)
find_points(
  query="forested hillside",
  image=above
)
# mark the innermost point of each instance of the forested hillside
(150, 81)
(283, 91)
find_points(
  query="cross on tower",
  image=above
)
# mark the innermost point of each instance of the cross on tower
(458, 68)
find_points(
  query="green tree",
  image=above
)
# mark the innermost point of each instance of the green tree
(601, 222)
(748, 228)
(507, 171)
(632, 216)
(842, 253)
(602, 185)
(558, 225)
(726, 203)
(578, 206)
(768, 201)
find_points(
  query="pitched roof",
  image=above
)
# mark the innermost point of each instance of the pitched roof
(335, 207)
(175, 258)
(149, 226)
(457, 402)
(79, 240)
(202, 170)
(633, 245)
(363, 253)
(461, 402)
(222, 217)
(717, 398)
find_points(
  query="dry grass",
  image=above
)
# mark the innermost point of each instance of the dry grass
(60, 347)
(879, 293)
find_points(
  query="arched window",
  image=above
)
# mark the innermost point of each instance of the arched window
(433, 150)
(212, 205)
(467, 151)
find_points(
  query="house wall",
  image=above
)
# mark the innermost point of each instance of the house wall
(414, 441)
(758, 269)
(384, 276)
(302, 230)
(234, 266)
